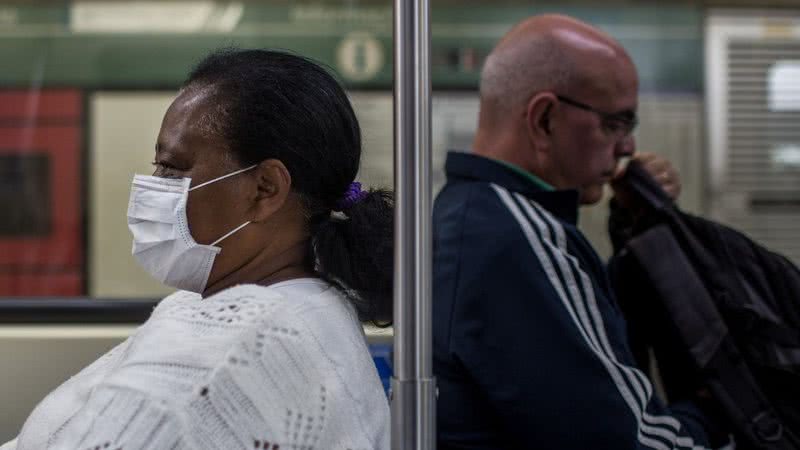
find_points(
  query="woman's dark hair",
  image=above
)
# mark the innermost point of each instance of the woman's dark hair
(277, 105)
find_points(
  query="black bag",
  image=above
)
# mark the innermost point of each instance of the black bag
(718, 311)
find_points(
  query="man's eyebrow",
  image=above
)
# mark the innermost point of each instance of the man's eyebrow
(626, 114)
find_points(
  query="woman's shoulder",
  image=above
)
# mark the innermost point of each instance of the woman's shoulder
(292, 297)
(203, 334)
(233, 306)
(310, 315)
(298, 300)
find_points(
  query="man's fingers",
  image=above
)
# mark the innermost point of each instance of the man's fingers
(662, 171)
(653, 163)
(645, 158)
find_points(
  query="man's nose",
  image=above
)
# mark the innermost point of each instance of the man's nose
(625, 147)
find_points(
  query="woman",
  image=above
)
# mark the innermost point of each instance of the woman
(253, 213)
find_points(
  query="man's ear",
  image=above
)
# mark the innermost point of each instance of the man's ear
(273, 186)
(538, 116)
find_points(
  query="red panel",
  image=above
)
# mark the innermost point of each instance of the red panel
(50, 264)
(31, 284)
(63, 246)
(60, 104)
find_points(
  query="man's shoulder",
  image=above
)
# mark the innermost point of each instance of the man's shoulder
(477, 205)
(483, 226)
(478, 208)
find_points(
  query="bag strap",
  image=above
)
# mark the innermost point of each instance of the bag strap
(780, 346)
(781, 334)
(684, 295)
(705, 334)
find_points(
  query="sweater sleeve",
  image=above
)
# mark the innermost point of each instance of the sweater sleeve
(271, 390)
(58, 408)
(262, 394)
(537, 341)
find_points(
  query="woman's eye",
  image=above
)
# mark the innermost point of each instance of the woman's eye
(165, 170)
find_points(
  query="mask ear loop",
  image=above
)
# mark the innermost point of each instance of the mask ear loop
(230, 233)
(222, 177)
(237, 172)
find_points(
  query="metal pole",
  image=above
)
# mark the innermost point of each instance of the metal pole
(413, 385)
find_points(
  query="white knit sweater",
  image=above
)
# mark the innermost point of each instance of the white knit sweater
(252, 367)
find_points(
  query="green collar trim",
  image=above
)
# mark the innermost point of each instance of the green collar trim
(529, 176)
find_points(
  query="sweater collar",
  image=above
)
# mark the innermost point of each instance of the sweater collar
(561, 203)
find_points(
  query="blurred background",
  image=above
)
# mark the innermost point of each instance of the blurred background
(84, 85)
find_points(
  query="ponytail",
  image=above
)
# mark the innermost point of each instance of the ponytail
(354, 251)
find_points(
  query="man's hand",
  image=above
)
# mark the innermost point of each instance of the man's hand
(662, 171)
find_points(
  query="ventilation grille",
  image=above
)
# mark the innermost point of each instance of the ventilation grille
(763, 157)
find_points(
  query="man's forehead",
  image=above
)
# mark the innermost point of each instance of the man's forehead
(612, 87)
(587, 47)
(599, 63)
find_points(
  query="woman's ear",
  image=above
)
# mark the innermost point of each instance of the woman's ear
(273, 185)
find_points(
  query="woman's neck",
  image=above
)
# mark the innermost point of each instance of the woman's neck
(267, 268)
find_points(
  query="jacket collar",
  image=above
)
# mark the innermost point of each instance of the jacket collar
(562, 203)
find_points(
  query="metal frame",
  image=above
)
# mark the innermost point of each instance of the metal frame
(74, 310)
(413, 385)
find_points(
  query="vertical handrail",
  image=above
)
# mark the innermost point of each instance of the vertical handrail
(413, 385)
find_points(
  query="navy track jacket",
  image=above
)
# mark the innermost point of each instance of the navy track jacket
(530, 349)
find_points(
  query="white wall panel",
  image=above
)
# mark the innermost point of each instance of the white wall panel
(124, 127)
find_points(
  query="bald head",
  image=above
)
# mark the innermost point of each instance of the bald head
(558, 98)
(547, 52)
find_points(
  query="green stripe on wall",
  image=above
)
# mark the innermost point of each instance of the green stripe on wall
(38, 48)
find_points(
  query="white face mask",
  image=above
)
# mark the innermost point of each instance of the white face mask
(162, 243)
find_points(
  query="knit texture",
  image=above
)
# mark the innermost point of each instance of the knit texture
(252, 367)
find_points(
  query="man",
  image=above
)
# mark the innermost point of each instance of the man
(530, 349)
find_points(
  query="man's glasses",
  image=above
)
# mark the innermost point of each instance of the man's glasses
(619, 125)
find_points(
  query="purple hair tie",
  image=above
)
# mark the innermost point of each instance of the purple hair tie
(353, 195)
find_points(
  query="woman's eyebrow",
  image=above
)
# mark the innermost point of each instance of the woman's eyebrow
(165, 151)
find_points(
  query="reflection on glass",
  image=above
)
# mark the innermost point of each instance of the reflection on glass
(784, 86)
(785, 156)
